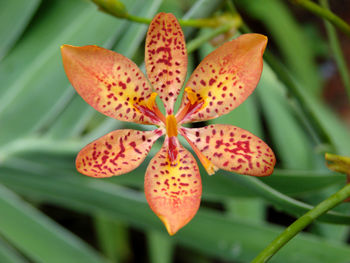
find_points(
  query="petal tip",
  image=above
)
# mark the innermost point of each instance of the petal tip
(65, 47)
(255, 40)
(263, 42)
(172, 230)
(68, 52)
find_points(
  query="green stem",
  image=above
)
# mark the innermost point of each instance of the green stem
(197, 42)
(337, 52)
(301, 223)
(200, 22)
(325, 13)
(138, 19)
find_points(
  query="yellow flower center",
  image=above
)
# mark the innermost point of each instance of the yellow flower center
(171, 125)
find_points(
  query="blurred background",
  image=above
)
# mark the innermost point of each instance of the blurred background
(50, 213)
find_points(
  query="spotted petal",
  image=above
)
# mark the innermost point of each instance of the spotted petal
(173, 189)
(233, 149)
(108, 81)
(116, 153)
(166, 58)
(225, 78)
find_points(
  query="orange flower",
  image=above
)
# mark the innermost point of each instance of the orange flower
(116, 87)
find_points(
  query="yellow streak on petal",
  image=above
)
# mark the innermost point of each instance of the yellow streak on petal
(151, 102)
(191, 95)
(171, 125)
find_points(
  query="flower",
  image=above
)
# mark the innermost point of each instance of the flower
(116, 87)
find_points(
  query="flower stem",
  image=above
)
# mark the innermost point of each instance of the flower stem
(325, 13)
(117, 9)
(200, 22)
(138, 19)
(301, 223)
(337, 52)
(197, 42)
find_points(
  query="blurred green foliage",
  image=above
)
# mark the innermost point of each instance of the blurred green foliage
(44, 123)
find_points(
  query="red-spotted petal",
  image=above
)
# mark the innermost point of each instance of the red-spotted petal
(173, 189)
(116, 153)
(233, 149)
(108, 81)
(225, 78)
(166, 58)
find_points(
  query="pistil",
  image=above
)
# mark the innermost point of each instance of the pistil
(171, 131)
(171, 126)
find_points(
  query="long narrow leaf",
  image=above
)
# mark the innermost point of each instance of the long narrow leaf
(38, 236)
(9, 254)
(14, 17)
(228, 238)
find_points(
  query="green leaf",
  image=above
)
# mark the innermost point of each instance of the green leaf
(219, 187)
(286, 203)
(249, 209)
(324, 122)
(290, 141)
(112, 237)
(336, 132)
(296, 182)
(14, 17)
(72, 120)
(8, 254)
(39, 155)
(160, 246)
(37, 236)
(129, 37)
(224, 237)
(26, 76)
(291, 40)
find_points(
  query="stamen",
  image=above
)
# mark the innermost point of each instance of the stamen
(208, 165)
(171, 131)
(191, 95)
(196, 103)
(151, 102)
(150, 109)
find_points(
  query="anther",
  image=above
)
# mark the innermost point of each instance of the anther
(191, 95)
